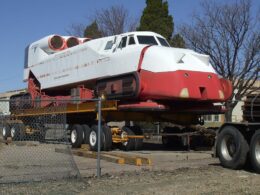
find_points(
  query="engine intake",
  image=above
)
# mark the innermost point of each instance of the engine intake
(56, 42)
(50, 44)
(72, 41)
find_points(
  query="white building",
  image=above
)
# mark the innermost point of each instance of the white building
(4, 100)
(237, 114)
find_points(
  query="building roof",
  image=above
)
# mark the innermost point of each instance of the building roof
(8, 94)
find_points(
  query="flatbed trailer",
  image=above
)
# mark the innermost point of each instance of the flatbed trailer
(81, 121)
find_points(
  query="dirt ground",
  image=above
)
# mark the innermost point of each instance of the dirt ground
(171, 172)
(211, 179)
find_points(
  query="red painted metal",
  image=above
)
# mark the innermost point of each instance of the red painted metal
(142, 57)
(33, 89)
(168, 85)
(149, 105)
(85, 93)
(227, 87)
(46, 100)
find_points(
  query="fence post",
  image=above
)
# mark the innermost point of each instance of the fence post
(99, 135)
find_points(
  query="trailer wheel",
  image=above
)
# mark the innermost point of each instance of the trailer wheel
(86, 132)
(138, 142)
(6, 131)
(17, 132)
(232, 148)
(255, 151)
(130, 144)
(93, 138)
(42, 133)
(107, 138)
(76, 136)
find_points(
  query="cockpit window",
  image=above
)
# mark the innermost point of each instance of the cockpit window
(109, 45)
(131, 41)
(149, 40)
(163, 42)
(122, 43)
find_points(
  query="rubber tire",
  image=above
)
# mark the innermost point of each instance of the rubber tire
(138, 142)
(42, 133)
(8, 132)
(19, 132)
(94, 147)
(239, 158)
(130, 145)
(107, 145)
(253, 160)
(86, 131)
(15, 135)
(79, 139)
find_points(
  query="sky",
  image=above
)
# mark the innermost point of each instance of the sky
(25, 21)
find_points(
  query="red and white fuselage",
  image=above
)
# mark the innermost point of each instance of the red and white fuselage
(161, 72)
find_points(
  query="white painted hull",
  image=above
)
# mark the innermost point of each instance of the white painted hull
(90, 61)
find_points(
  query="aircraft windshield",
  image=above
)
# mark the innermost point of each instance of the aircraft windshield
(148, 40)
(163, 42)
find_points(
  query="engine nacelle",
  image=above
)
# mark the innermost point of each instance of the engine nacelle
(71, 41)
(84, 40)
(51, 44)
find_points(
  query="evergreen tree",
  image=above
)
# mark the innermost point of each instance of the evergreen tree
(156, 18)
(92, 31)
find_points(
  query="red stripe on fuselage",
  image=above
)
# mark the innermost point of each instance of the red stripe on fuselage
(142, 57)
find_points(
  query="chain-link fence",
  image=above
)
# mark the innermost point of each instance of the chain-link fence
(30, 135)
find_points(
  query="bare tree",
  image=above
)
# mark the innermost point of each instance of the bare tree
(230, 35)
(114, 20)
(76, 30)
(110, 21)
